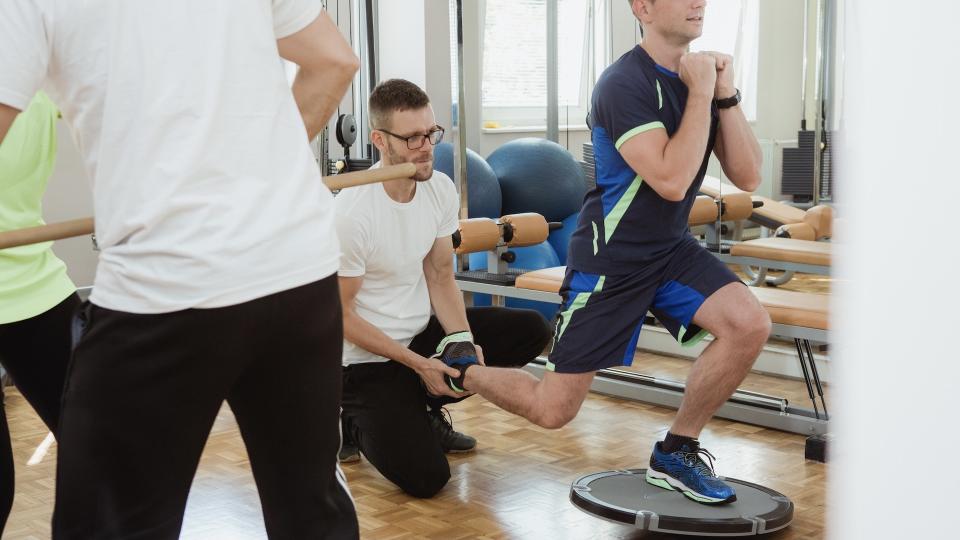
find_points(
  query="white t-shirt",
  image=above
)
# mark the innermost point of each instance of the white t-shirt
(206, 193)
(386, 242)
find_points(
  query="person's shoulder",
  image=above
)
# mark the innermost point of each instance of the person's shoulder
(628, 76)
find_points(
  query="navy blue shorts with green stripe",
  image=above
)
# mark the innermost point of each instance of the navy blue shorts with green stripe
(602, 314)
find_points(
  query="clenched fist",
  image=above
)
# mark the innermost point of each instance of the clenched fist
(725, 87)
(699, 72)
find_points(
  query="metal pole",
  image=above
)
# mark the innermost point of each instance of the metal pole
(358, 39)
(825, 178)
(460, 148)
(818, 92)
(803, 81)
(373, 56)
(553, 85)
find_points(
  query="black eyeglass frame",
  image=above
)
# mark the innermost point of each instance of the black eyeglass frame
(428, 137)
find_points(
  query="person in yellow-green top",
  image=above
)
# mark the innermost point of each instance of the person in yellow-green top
(37, 299)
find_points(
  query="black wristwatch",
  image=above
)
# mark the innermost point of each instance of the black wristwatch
(726, 103)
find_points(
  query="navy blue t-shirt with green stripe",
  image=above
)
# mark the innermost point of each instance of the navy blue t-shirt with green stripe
(624, 222)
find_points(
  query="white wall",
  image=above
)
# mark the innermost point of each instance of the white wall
(402, 41)
(437, 57)
(894, 469)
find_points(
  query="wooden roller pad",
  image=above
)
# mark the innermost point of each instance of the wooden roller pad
(529, 229)
(478, 234)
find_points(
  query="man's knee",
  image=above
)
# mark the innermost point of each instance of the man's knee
(425, 482)
(556, 418)
(559, 398)
(752, 326)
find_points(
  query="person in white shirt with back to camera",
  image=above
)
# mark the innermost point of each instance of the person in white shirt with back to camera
(216, 275)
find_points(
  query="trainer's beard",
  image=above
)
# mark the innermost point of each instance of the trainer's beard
(425, 173)
(424, 169)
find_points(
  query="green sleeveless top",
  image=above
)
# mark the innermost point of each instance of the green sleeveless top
(32, 278)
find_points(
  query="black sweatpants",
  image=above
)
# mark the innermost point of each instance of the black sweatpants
(142, 394)
(35, 352)
(384, 403)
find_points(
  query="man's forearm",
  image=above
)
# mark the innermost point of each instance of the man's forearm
(361, 333)
(742, 157)
(684, 153)
(447, 302)
(319, 93)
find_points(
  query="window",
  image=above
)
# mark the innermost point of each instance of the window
(514, 80)
(514, 56)
(733, 27)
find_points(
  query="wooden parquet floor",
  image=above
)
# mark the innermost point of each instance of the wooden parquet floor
(515, 486)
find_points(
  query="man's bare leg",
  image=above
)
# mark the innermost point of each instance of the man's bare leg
(740, 326)
(550, 402)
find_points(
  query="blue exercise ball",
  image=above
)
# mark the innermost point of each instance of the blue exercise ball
(560, 238)
(528, 258)
(537, 175)
(483, 189)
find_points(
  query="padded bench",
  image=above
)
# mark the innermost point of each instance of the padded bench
(785, 250)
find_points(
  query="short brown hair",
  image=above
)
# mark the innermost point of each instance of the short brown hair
(394, 95)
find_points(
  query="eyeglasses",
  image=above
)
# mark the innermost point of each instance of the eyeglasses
(415, 142)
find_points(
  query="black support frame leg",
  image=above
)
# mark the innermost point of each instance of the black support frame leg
(806, 376)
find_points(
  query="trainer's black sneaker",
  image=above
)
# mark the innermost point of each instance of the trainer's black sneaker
(453, 442)
(349, 452)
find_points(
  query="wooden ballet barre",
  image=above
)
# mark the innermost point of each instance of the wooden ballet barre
(84, 226)
(369, 176)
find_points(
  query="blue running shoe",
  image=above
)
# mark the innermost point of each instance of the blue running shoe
(457, 351)
(685, 471)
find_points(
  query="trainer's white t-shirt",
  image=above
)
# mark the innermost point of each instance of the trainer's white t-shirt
(206, 193)
(386, 242)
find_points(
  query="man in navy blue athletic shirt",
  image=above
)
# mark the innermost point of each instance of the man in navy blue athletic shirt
(658, 112)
